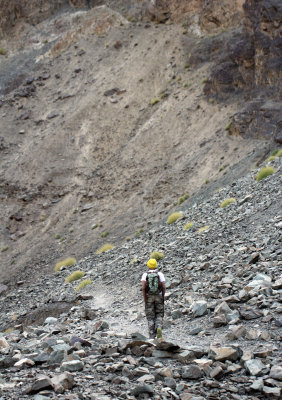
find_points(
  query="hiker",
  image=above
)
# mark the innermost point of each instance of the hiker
(153, 289)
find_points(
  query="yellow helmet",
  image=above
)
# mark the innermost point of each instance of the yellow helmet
(152, 263)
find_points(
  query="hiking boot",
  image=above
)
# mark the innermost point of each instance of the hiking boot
(159, 333)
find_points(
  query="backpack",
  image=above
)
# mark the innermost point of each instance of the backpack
(153, 283)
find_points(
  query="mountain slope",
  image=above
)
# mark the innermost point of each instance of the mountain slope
(78, 153)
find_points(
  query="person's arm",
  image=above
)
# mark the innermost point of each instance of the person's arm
(163, 290)
(144, 291)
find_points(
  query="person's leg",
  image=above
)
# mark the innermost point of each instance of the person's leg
(159, 312)
(150, 315)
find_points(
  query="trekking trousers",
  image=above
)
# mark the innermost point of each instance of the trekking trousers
(154, 310)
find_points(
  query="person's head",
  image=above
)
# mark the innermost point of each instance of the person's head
(152, 263)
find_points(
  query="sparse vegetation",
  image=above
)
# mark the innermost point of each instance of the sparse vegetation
(187, 66)
(3, 52)
(211, 100)
(43, 216)
(131, 18)
(204, 80)
(5, 248)
(128, 238)
(174, 217)
(9, 330)
(74, 276)
(227, 126)
(183, 198)
(104, 234)
(274, 154)
(207, 181)
(264, 173)
(105, 247)
(226, 202)
(82, 284)
(94, 226)
(58, 236)
(188, 225)
(203, 229)
(154, 101)
(67, 262)
(140, 230)
(221, 168)
(185, 84)
(157, 255)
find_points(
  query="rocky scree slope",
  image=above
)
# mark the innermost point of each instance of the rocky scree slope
(104, 125)
(222, 327)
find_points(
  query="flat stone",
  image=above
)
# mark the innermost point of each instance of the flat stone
(276, 285)
(257, 384)
(170, 382)
(186, 356)
(237, 332)
(276, 372)
(142, 389)
(250, 313)
(199, 308)
(42, 383)
(3, 289)
(63, 382)
(219, 320)
(3, 343)
(254, 366)
(191, 372)
(50, 321)
(225, 353)
(272, 392)
(72, 366)
(24, 362)
(216, 372)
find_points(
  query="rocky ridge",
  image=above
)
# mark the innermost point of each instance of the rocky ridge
(222, 327)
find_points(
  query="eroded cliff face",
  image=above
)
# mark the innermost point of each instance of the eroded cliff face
(33, 11)
(210, 15)
(252, 66)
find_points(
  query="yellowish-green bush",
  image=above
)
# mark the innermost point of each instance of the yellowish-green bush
(3, 52)
(67, 262)
(207, 181)
(74, 276)
(264, 173)
(5, 248)
(226, 202)
(275, 153)
(128, 238)
(140, 230)
(58, 236)
(174, 217)
(104, 234)
(105, 247)
(9, 330)
(203, 229)
(154, 101)
(188, 225)
(183, 198)
(228, 126)
(82, 284)
(157, 255)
